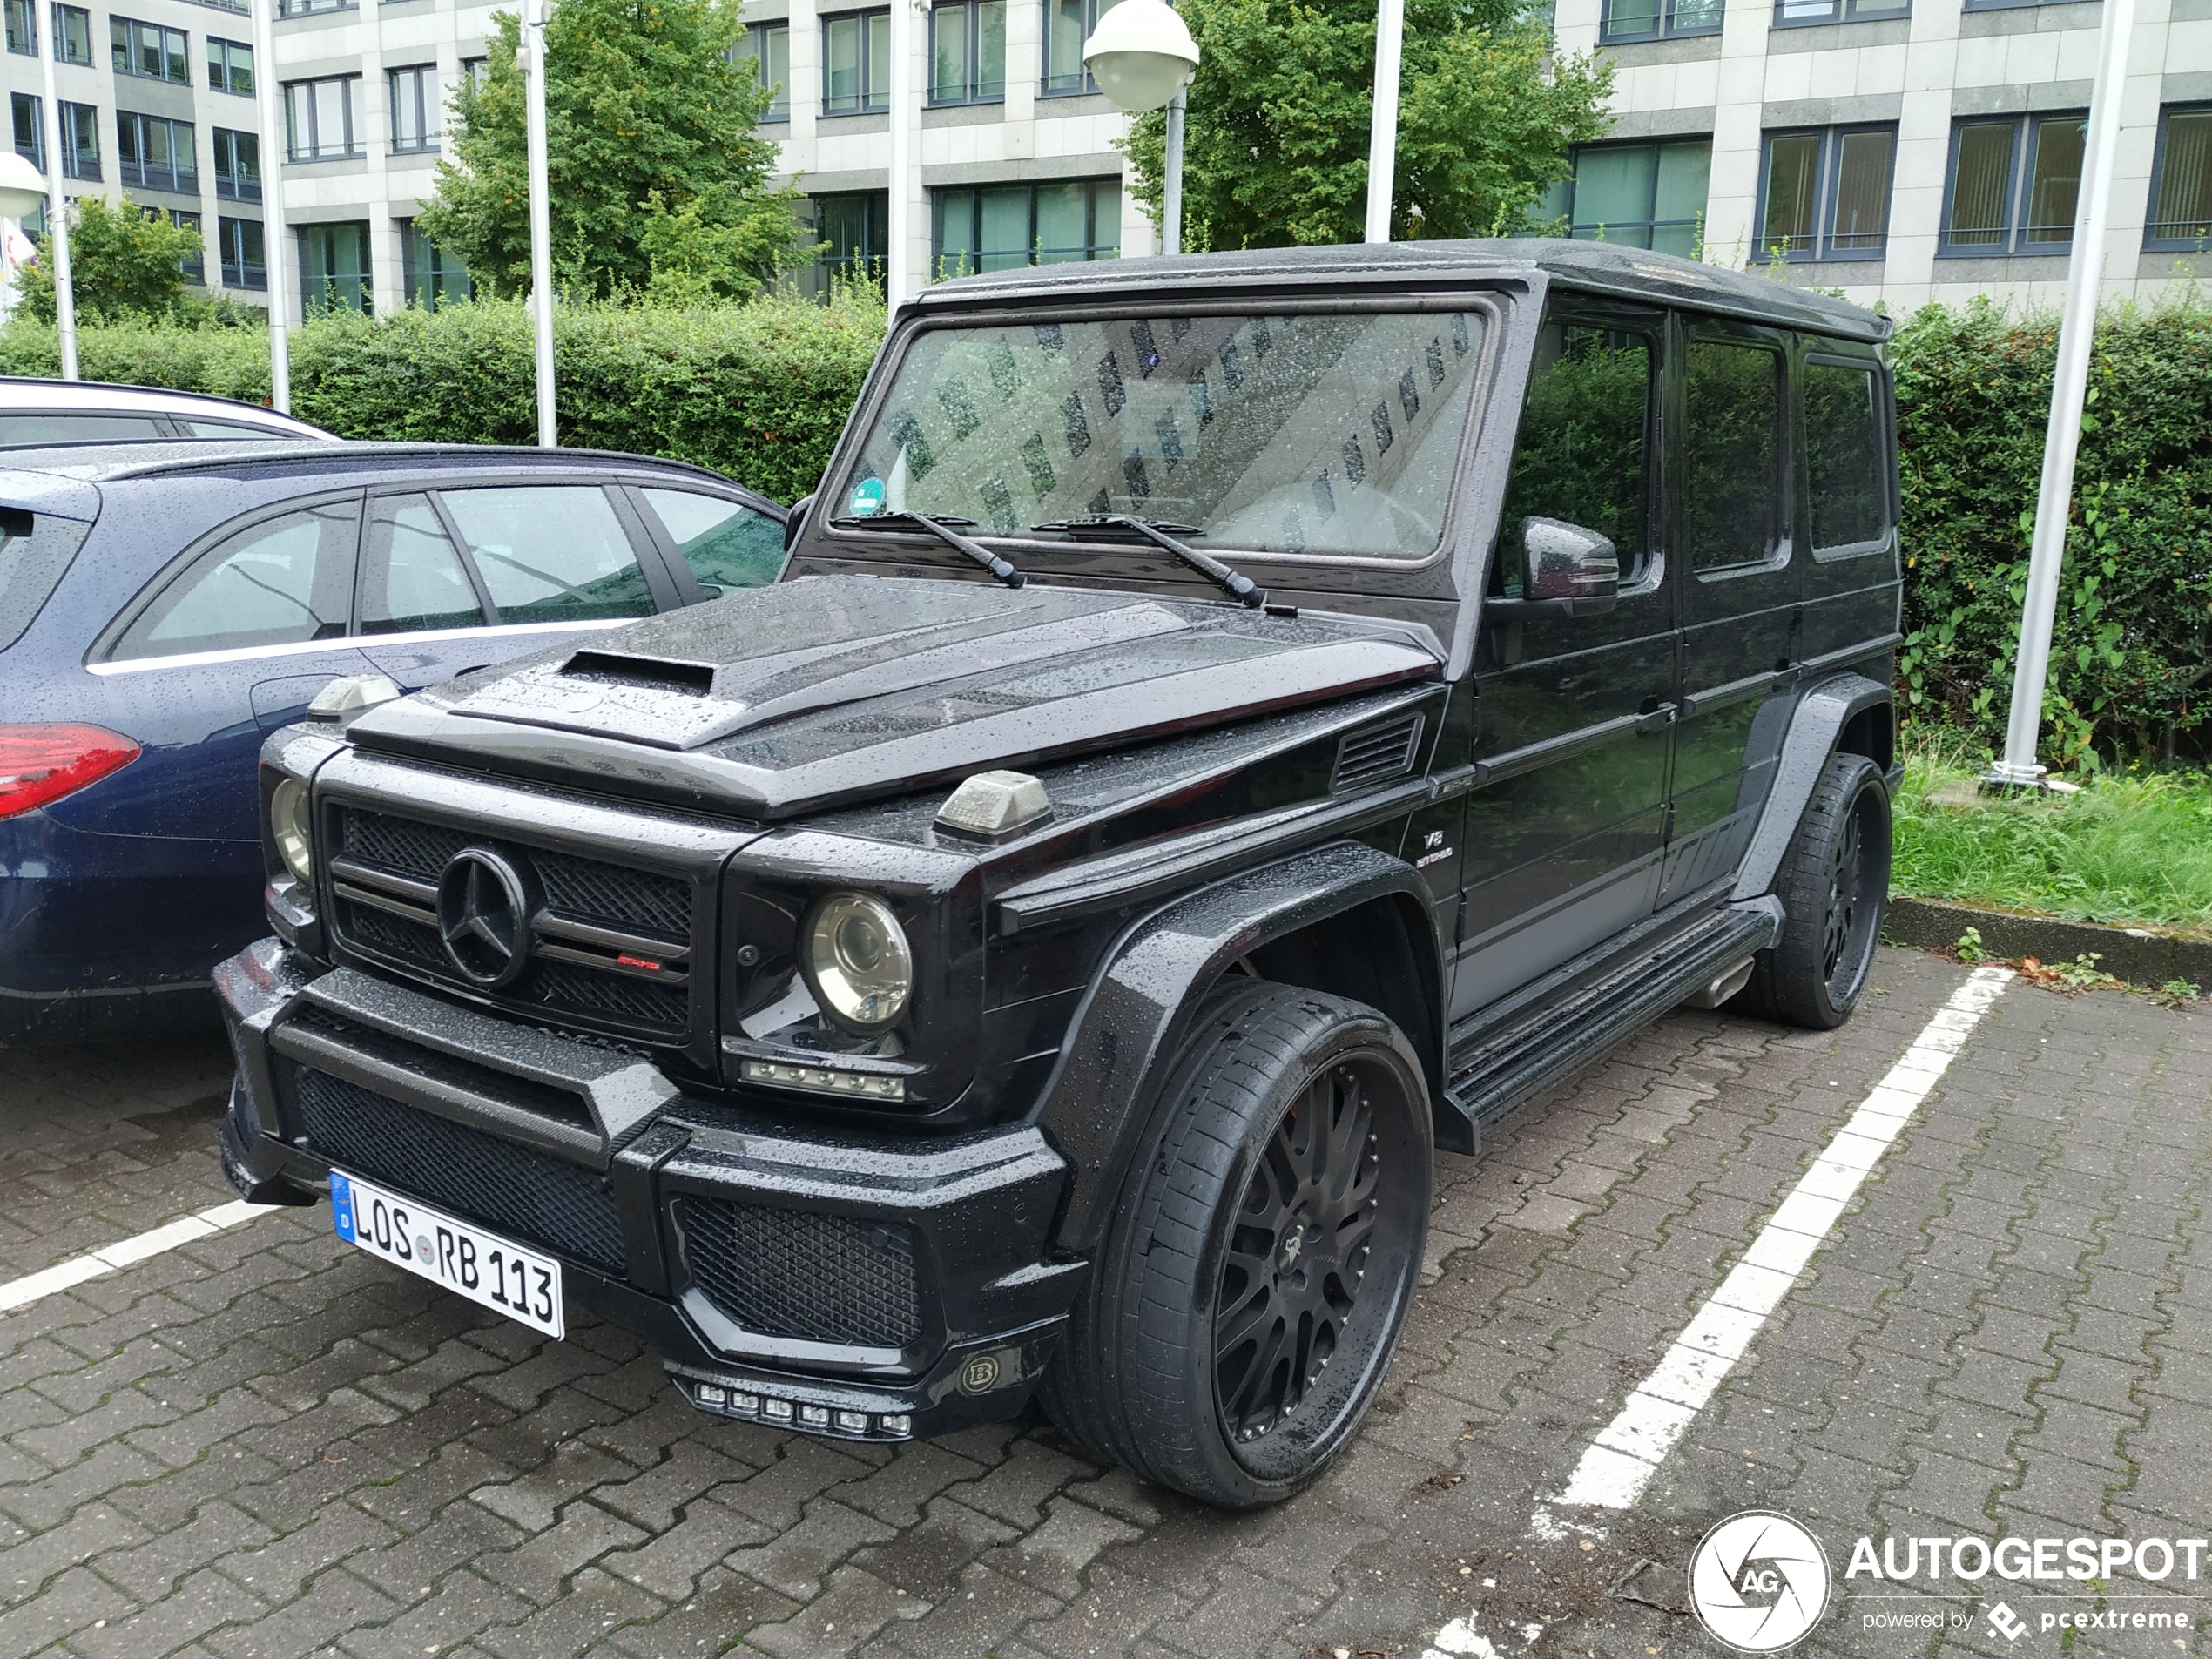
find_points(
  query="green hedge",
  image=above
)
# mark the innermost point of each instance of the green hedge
(2131, 667)
(757, 391)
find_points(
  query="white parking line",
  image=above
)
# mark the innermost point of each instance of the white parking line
(32, 1287)
(1628, 1453)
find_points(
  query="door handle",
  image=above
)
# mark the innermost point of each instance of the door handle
(1656, 718)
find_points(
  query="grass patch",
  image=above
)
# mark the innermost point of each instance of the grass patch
(2131, 849)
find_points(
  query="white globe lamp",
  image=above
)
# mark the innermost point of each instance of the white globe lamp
(1142, 56)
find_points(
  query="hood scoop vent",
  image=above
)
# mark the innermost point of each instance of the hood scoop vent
(643, 673)
(1377, 754)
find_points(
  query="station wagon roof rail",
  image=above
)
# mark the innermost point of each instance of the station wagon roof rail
(1632, 272)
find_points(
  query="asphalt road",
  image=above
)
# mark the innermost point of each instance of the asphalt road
(261, 1442)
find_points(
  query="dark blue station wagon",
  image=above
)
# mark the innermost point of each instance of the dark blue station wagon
(163, 607)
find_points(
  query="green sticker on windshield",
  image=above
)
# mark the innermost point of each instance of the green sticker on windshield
(867, 498)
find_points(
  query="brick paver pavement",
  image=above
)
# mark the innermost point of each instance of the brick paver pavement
(267, 1444)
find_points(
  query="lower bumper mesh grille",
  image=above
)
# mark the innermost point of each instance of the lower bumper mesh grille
(809, 1278)
(510, 1189)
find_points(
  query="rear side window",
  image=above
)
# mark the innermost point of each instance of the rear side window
(194, 427)
(411, 577)
(35, 551)
(285, 581)
(1731, 447)
(554, 553)
(79, 429)
(728, 545)
(1847, 498)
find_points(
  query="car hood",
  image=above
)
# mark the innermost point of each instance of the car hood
(836, 688)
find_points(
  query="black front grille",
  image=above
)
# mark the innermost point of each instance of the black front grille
(394, 861)
(510, 1189)
(796, 1274)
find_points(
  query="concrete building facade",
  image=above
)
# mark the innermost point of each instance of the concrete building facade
(1900, 150)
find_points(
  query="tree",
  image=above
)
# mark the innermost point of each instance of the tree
(654, 168)
(1275, 145)
(124, 262)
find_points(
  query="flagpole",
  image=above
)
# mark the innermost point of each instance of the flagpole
(540, 218)
(269, 96)
(43, 20)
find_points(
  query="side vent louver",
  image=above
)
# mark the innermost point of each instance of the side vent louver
(1377, 754)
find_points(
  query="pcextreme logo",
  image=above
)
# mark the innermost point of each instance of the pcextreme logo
(1758, 1581)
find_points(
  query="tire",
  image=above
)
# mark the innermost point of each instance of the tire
(1834, 884)
(1321, 1280)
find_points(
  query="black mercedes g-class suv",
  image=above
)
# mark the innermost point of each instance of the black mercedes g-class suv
(1228, 726)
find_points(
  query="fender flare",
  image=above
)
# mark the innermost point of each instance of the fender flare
(1100, 1096)
(1815, 728)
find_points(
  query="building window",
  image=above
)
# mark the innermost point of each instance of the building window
(73, 28)
(2014, 182)
(1826, 194)
(766, 50)
(1791, 13)
(245, 263)
(1627, 20)
(21, 22)
(853, 231)
(80, 140)
(333, 268)
(230, 66)
(1000, 227)
(196, 266)
(322, 118)
(856, 63)
(1067, 24)
(152, 153)
(475, 71)
(30, 128)
(967, 52)
(238, 165)
(416, 109)
(301, 8)
(433, 276)
(148, 51)
(1643, 195)
(2181, 182)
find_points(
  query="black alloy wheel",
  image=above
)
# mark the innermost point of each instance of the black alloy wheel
(1834, 884)
(1297, 1256)
(1241, 1313)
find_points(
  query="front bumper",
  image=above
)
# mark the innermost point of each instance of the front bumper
(858, 1285)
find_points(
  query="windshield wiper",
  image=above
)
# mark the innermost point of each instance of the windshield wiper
(1004, 569)
(1234, 582)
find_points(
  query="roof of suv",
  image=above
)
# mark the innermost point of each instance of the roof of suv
(1629, 273)
(19, 392)
(112, 463)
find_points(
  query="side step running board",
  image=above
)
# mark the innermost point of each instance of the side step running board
(1496, 1069)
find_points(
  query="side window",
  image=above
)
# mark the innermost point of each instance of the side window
(727, 544)
(282, 582)
(550, 553)
(1583, 453)
(80, 428)
(411, 577)
(1848, 498)
(195, 427)
(1731, 452)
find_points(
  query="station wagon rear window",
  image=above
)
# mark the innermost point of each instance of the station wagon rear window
(1309, 432)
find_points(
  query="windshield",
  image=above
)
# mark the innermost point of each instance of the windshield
(1309, 433)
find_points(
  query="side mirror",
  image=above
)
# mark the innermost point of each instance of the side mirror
(795, 521)
(1567, 571)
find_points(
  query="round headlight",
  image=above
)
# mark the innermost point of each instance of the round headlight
(289, 826)
(858, 961)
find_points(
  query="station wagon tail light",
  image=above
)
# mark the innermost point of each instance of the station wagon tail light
(41, 763)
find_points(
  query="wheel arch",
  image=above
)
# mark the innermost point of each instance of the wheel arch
(1846, 714)
(1325, 917)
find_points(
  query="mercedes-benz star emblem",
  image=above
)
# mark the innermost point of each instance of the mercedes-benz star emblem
(484, 917)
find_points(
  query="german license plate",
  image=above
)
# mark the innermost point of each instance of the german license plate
(492, 1271)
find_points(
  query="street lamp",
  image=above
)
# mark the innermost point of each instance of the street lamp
(1142, 57)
